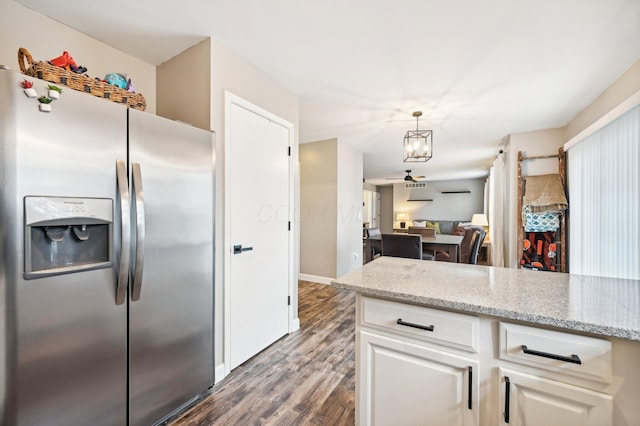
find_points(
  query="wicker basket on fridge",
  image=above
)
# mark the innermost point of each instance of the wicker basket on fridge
(80, 82)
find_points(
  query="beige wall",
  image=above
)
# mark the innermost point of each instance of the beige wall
(230, 72)
(318, 207)
(330, 209)
(218, 69)
(547, 142)
(386, 208)
(223, 70)
(540, 142)
(349, 222)
(184, 86)
(625, 86)
(46, 39)
(369, 187)
(458, 207)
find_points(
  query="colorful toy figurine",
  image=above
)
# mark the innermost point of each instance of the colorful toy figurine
(119, 80)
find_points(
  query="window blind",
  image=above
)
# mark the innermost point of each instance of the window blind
(604, 186)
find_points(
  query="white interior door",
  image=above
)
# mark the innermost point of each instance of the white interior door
(258, 168)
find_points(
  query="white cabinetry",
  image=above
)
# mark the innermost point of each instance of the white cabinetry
(532, 400)
(409, 371)
(425, 366)
(576, 368)
(410, 384)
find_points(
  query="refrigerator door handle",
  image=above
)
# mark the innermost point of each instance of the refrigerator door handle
(140, 231)
(125, 208)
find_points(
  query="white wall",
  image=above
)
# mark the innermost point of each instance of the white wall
(458, 207)
(349, 222)
(46, 39)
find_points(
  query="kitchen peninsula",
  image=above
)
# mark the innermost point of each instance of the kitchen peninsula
(441, 343)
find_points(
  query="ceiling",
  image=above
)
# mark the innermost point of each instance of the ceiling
(478, 70)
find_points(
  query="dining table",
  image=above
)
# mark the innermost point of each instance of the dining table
(444, 242)
(441, 242)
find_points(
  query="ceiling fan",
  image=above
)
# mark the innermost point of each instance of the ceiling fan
(408, 177)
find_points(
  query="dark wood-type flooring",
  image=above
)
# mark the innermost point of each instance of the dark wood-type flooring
(305, 378)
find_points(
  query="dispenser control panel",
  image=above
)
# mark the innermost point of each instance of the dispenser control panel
(66, 235)
(47, 209)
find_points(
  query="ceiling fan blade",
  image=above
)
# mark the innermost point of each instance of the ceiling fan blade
(392, 178)
(419, 177)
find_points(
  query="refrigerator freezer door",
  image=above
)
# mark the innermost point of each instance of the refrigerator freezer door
(171, 324)
(63, 338)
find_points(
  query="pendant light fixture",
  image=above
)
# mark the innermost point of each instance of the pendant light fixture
(418, 144)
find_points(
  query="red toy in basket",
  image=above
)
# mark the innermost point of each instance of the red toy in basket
(66, 61)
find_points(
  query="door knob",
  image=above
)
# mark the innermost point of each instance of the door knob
(239, 249)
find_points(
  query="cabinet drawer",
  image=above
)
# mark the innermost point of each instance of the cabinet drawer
(432, 325)
(580, 356)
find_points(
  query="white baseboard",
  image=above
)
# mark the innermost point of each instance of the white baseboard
(315, 278)
(219, 373)
(295, 326)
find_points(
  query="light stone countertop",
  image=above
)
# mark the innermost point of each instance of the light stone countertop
(604, 306)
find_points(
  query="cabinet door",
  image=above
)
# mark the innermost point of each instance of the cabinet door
(531, 400)
(400, 383)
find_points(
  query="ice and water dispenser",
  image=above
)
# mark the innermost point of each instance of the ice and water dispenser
(64, 235)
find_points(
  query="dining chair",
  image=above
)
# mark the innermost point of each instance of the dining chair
(426, 233)
(478, 239)
(443, 255)
(374, 243)
(402, 245)
(466, 246)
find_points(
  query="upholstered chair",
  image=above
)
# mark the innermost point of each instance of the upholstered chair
(402, 245)
(466, 245)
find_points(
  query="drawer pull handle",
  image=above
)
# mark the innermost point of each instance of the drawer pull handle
(470, 398)
(507, 394)
(410, 324)
(575, 359)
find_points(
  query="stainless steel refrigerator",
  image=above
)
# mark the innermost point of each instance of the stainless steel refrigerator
(106, 261)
